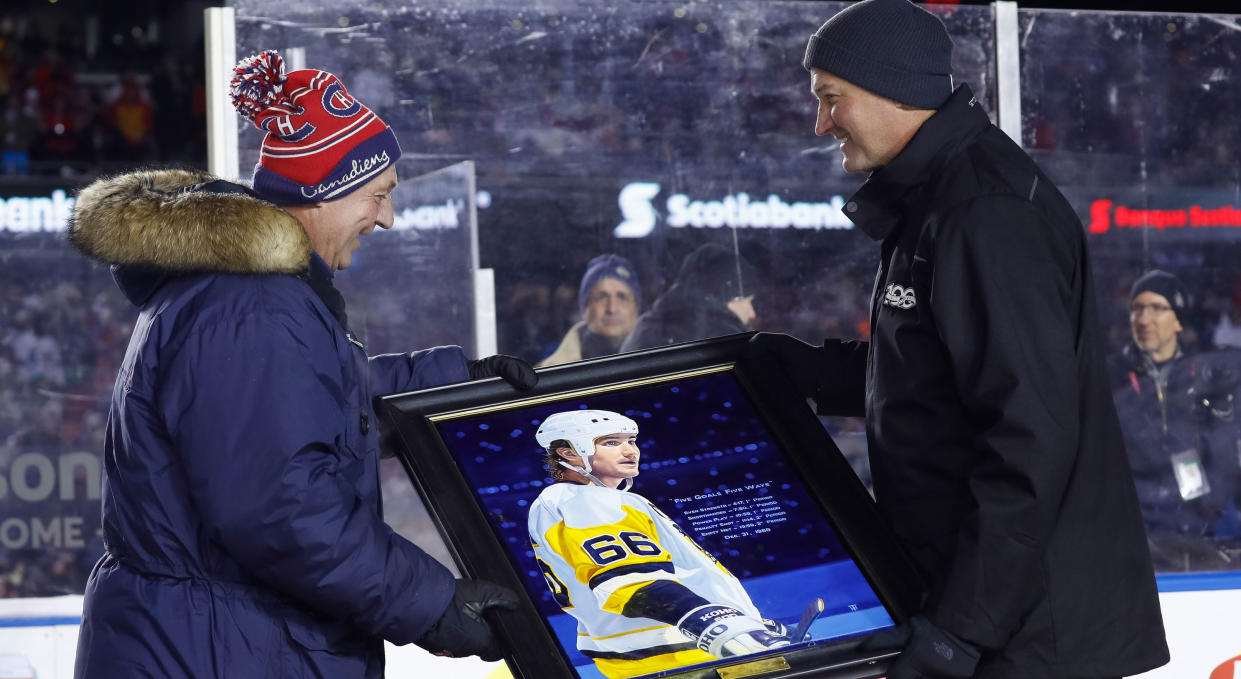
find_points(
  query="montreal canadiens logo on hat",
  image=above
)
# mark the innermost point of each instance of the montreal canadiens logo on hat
(337, 101)
(285, 128)
(321, 142)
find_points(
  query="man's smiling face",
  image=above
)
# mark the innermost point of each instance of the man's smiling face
(871, 129)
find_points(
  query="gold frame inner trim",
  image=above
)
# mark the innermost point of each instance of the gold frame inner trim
(577, 393)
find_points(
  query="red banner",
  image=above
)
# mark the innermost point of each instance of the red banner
(1104, 215)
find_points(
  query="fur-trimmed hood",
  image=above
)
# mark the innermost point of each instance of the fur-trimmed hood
(175, 221)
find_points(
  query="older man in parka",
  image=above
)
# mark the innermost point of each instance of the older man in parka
(241, 508)
(994, 446)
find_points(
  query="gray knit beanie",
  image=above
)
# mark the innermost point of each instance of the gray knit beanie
(889, 47)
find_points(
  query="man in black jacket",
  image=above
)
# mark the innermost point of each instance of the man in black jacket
(994, 444)
(713, 296)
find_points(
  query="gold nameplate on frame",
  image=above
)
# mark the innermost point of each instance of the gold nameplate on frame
(752, 669)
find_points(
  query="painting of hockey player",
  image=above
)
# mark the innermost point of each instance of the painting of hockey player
(646, 597)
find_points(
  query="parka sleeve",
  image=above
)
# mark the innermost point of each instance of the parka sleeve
(1004, 303)
(254, 408)
(393, 373)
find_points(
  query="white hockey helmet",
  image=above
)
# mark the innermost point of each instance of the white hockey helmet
(580, 428)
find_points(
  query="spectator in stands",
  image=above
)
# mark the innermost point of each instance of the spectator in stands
(12, 408)
(242, 462)
(52, 76)
(713, 295)
(1178, 412)
(61, 141)
(8, 69)
(131, 120)
(609, 298)
(19, 128)
(36, 349)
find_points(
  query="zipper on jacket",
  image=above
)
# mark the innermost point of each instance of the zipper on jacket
(1163, 403)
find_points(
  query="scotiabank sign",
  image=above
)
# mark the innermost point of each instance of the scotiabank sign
(50, 213)
(1107, 216)
(25, 214)
(737, 211)
(429, 217)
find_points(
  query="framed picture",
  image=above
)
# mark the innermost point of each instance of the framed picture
(719, 498)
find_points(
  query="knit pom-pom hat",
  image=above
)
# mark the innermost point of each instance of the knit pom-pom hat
(321, 143)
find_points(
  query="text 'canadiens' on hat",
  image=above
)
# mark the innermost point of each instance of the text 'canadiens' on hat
(321, 143)
(889, 47)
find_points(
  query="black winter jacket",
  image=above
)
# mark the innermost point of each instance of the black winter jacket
(994, 444)
(682, 314)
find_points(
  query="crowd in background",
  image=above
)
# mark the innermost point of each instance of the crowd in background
(1084, 103)
(61, 342)
(67, 110)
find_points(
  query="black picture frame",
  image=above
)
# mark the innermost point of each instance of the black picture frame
(409, 431)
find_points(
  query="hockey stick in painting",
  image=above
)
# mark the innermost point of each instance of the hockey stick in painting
(799, 633)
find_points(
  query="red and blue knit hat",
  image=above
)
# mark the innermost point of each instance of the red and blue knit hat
(321, 143)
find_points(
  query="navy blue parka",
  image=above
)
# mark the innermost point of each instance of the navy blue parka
(241, 504)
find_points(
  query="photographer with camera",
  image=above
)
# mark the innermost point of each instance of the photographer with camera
(1178, 413)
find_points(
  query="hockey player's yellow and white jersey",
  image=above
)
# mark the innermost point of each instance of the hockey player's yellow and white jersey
(597, 546)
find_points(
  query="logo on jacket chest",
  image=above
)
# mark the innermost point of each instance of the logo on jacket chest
(899, 296)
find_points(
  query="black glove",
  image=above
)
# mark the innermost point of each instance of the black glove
(834, 375)
(930, 652)
(508, 368)
(802, 363)
(462, 630)
(891, 639)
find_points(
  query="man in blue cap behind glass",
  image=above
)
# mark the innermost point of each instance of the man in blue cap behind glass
(609, 298)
